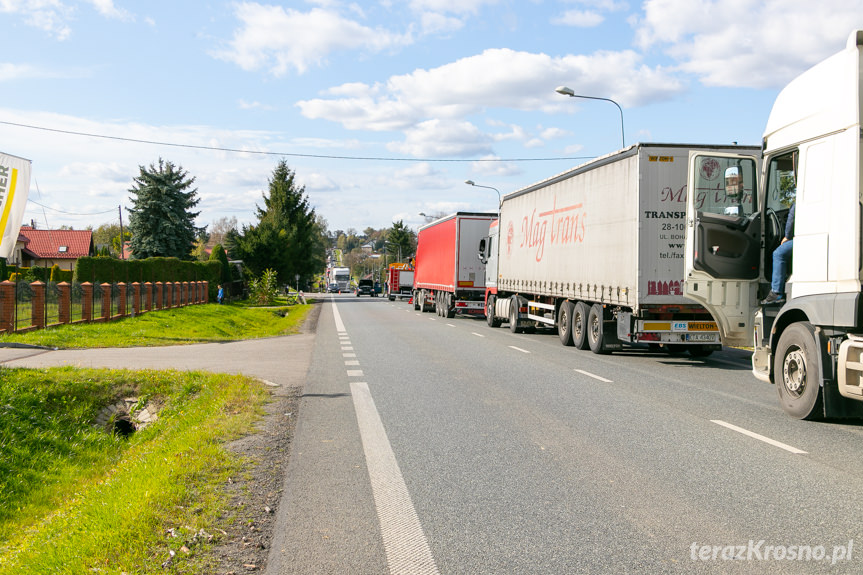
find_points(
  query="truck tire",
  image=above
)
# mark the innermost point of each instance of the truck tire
(797, 372)
(564, 322)
(596, 329)
(416, 299)
(489, 313)
(513, 314)
(391, 297)
(579, 325)
(450, 307)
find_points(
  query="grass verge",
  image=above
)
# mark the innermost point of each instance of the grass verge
(186, 325)
(75, 498)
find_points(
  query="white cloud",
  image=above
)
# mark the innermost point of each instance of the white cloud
(10, 72)
(579, 18)
(442, 138)
(750, 43)
(451, 6)
(282, 39)
(437, 23)
(246, 105)
(496, 78)
(106, 8)
(47, 15)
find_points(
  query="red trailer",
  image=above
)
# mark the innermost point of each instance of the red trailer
(449, 277)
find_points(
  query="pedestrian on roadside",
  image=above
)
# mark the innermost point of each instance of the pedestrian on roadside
(220, 296)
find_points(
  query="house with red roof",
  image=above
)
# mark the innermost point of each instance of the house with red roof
(48, 247)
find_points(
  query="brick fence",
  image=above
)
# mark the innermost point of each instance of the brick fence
(145, 297)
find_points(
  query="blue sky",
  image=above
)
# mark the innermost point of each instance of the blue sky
(382, 108)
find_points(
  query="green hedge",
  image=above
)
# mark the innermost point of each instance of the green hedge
(101, 269)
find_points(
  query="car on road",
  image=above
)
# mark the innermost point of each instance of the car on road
(365, 287)
(333, 288)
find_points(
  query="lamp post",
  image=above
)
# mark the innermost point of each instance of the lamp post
(568, 92)
(472, 183)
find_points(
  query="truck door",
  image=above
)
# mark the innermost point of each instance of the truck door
(723, 241)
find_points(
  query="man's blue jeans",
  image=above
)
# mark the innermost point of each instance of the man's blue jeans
(781, 260)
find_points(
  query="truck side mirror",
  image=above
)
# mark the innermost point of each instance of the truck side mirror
(481, 255)
(733, 182)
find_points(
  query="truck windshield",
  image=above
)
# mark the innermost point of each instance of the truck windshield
(726, 186)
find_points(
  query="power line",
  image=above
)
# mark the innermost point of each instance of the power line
(67, 213)
(291, 154)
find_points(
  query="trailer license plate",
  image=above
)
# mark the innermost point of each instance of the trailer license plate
(701, 337)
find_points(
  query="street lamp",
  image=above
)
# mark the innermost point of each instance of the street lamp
(568, 92)
(472, 183)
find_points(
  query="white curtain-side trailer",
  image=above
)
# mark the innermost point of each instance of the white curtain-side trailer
(597, 252)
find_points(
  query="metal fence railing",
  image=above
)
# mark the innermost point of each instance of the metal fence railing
(25, 305)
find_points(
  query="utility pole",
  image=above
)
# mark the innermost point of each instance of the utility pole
(122, 243)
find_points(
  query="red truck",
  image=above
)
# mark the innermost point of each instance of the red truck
(449, 278)
(400, 281)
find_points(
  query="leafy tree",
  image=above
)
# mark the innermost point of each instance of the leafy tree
(287, 238)
(108, 236)
(160, 221)
(401, 241)
(219, 229)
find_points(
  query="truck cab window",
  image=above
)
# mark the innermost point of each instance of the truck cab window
(726, 186)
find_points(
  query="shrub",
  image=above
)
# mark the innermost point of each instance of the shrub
(264, 290)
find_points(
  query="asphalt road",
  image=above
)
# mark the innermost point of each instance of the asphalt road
(518, 455)
(432, 445)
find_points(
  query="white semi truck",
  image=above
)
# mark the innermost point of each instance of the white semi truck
(597, 253)
(811, 343)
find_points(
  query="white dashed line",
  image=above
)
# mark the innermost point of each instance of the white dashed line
(518, 349)
(593, 375)
(477, 334)
(405, 543)
(754, 435)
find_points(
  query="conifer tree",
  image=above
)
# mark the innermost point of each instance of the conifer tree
(287, 237)
(160, 221)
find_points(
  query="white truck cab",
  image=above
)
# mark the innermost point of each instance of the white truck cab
(810, 344)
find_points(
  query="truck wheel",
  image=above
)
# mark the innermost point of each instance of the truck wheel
(513, 314)
(797, 372)
(489, 313)
(416, 301)
(564, 322)
(391, 297)
(579, 325)
(595, 329)
(450, 307)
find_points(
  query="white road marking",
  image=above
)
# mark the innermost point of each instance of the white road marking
(405, 543)
(519, 349)
(451, 325)
(355, 373)
(347, 348)
(593, 375)
(340, 326)
(352, 362)
(477, 334)
(754, 435)
(349, 355)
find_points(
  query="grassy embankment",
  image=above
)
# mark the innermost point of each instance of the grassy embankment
(76, 498)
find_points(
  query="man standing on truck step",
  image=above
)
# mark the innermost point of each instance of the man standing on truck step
(781, 259)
